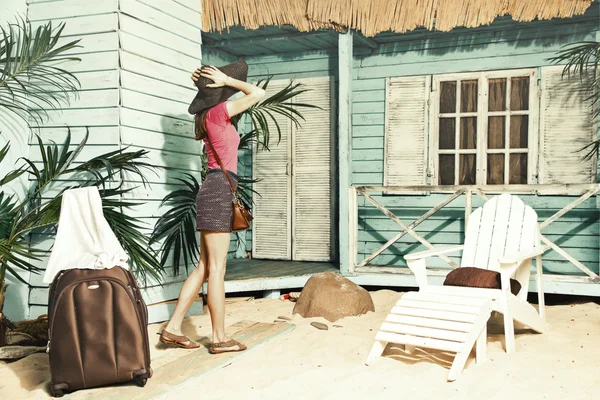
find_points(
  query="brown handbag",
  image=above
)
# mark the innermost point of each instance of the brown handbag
(241, 211)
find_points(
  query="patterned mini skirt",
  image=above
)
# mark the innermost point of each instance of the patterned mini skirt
(214, 203)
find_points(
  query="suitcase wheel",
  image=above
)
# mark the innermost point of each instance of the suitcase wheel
(141, 381)
(58, 390)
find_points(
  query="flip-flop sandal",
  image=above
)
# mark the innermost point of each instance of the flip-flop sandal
(180, 341)
(224, 347)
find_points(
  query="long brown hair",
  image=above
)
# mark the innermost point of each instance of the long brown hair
(200, 124)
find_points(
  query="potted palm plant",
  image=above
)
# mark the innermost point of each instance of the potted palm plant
(32, 80)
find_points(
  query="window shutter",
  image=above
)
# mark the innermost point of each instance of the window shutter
(312, 193)
(271, 237)
(566, 126)
(406, 127)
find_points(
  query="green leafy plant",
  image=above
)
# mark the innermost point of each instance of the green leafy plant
(175, 230)
(583, 59)
(39, 210)
(32, 81)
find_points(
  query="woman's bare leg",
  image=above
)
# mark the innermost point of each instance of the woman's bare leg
(218, 245)
(189, 290)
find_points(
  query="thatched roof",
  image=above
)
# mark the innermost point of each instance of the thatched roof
(374, 16)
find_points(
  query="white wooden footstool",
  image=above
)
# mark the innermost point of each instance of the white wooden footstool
(437, 321)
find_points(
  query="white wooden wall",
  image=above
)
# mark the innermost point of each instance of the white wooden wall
(137, 57)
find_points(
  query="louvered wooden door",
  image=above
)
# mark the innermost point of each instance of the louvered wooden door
(271, 228)
(311, 175)
(293, 211)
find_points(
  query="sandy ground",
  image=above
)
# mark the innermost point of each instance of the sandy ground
(308, 363)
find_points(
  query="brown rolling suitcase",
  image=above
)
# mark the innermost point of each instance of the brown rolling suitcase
(97, 330)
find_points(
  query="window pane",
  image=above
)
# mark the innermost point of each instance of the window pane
(518, 131)
(519, 93)
(495, 169)
(446, 169)
(468, 133)
(496, 127)
(467, 173)
(448, 97)
(447, 133)
(497, 94)
(468, 96)
(518, 169)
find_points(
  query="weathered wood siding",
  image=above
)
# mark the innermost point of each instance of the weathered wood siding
(503, 45)
(135, 89)
(96, 107)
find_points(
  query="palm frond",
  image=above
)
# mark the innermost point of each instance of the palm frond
(38, 212)
(55, 162)
(245, 189)
(277, 105)
(129, 231)
(13, 174)
(176, 228)
(15, 256)
(7, 214)
(578, 58)
(106, 166)
(30, 79)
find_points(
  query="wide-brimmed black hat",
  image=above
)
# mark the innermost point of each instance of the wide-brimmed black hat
(209, 97)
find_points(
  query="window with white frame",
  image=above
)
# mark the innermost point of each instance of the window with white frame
(484, 127)
(490, 128)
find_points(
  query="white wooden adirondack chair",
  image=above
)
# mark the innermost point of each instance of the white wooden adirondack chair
(503, 236)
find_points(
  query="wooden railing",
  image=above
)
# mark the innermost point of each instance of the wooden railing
(581, 192)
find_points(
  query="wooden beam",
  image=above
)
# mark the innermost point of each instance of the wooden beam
(366, 41)
(564, 190)
(353, 228)
(410, 231)
(568, 208)
(401, 276)
(574, 261)
(400, 235)
(248, 41)
(345, 62)
(468, 206)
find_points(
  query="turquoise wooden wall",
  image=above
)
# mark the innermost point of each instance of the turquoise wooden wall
(503, 45)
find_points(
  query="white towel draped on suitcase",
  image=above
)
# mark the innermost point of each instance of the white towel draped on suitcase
(84, 238)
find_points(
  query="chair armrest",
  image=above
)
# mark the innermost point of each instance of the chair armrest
(432, 252)
(518, 258)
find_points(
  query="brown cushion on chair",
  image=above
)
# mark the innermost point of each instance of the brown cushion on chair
(479, 278)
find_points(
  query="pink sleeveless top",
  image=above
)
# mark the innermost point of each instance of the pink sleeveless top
(224, 138)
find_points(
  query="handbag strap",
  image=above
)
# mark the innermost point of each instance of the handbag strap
(233, 190)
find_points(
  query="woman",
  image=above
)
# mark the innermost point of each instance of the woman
(214, 202)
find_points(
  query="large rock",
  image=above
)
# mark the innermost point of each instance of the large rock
(332, 297)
